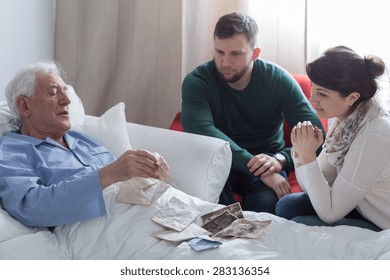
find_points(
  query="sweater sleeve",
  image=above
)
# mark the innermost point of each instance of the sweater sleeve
(295, 107)
(328, 171)
(196, 117)
(362, 168)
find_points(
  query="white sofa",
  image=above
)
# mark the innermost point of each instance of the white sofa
(199, 165)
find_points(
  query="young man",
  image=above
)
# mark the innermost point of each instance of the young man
(244, 100)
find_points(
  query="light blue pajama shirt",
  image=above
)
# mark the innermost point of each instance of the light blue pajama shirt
(44, 184)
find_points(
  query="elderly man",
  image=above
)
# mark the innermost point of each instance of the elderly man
(51, 175)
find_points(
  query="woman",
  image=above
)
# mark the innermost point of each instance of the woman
(349, 182)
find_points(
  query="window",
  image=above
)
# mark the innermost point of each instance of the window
(360, 25)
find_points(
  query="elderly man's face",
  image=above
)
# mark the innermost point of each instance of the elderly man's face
(48, 110)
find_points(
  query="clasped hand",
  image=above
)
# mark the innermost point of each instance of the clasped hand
(306, 139)
(264, 165)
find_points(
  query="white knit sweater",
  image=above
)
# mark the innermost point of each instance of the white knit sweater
(362, 182)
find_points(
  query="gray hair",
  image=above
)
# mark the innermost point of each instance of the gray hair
(24, 82)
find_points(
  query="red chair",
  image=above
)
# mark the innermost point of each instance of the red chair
(304, 83)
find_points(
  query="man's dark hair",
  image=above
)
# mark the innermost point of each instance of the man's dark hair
(236, 23)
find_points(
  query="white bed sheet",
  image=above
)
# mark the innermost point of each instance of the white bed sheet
(126, 233)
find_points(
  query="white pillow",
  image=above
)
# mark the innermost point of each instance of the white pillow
(76, 108)
(76, 113)
(109, 129)
(199, 165)
(11, 228)
(7, 121)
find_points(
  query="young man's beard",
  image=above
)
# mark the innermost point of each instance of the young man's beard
(235, 77)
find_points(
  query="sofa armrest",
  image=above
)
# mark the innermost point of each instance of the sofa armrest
(199, 165)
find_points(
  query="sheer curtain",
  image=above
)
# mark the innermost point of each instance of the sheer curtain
(199, 18)
(122, 51)
(282, 32)
(138, 51)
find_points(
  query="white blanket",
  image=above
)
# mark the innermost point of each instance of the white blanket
(126, 232)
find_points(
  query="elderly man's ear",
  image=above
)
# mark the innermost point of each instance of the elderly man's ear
(23, 106)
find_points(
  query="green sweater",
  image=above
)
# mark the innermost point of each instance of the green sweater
(251, 120)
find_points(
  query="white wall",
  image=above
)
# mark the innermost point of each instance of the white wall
(26, 35)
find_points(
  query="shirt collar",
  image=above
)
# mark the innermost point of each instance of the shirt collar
(71, 141)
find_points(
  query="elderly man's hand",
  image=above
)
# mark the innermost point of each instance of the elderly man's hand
(133, 163)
